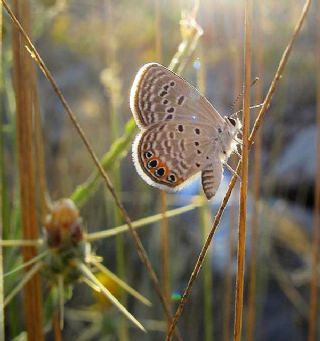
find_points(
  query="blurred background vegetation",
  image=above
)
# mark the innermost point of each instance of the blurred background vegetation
(94, 49)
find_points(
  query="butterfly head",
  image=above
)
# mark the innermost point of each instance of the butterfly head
(233, 123)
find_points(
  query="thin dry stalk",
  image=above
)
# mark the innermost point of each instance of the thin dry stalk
(313, 309)
(1, 205)
(228, 293)
(44, 198)
(208, 319)
(138, 244)
(256, 188)
(22, 71)
(164, 227)
(164, 235)
(56, 327)
(244, 172)
(258, 121)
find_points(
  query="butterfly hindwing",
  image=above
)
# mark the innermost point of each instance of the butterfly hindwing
(211, 178)
(168, 154)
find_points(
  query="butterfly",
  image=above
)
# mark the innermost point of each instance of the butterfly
(182, 134)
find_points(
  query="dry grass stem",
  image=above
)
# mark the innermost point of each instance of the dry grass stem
(258, 121)
(87, 273)
(2, 317)
(256, 187)
(22, 242)
(27, 277)
(121, 283)
(26, 264)
(143, 222)
(244, 173)
(140, 249)
(314, 296)
(23, 68)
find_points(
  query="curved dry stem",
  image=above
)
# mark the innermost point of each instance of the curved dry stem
(89, 275)
(121, 283)
(21, 242)
(258, 121)
(23, 282)
(138, 244)
(142, 222)
(25, 264)
(244, 174)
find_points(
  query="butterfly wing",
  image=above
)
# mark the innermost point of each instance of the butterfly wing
(168, 154)
(211, 178)
(158, 94)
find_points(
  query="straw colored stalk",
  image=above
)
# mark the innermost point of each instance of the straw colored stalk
(23, 89)
(256, 188)
(244, 173)
(138, 244)
(314, 296)
(273, 86)
(1, 204)
(228, 292)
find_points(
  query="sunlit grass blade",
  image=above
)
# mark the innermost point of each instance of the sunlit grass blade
(90, 284)
(28, 263)
(22, 283)
(143, 221)
(22, 242)
(121, 283)
(87, 273)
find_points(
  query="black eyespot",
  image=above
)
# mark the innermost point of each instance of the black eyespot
(165, 101)
(152, 163)
(166, 87)
(219, 130)
(180, 100)
(170, 110)
(171, 178)
(198, 164)
(172, 83)
(180, 127)
(163, 93)
(148, 154)
(196, 143)
(232, 121)
(169, 117)
(159, 172)
(197, 131)
(207, 157)
(199, 151)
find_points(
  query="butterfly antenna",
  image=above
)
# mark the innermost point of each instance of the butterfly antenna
(241, 95)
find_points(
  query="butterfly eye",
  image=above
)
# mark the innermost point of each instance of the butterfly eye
(152, 163)
(148, 154)
(171, 178)
(232, 121)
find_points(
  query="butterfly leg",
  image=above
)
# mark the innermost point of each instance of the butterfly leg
(237, 153)
(232, 171)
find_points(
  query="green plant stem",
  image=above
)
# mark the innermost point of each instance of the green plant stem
(141, 222)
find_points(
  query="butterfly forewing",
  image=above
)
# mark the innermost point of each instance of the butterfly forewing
(158, 94)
